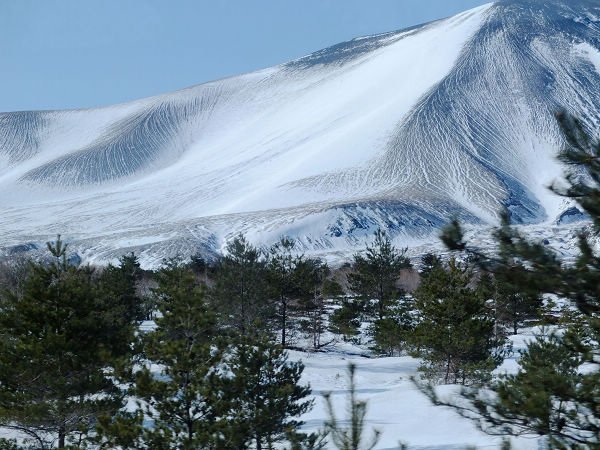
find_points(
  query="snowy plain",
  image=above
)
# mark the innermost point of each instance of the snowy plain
(396, 407)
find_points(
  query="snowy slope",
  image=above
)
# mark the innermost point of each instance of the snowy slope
(401, 130)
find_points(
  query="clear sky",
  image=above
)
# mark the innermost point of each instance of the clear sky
(57, 54)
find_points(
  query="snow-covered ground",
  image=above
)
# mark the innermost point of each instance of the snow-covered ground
(396, 407)
(400, 131)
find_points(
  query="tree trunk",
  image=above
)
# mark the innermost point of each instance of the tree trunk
(61, 437)
(381, 305)
(447, 376)
(515, 318)
(243, 306)
(190, 427)
(258, 442)
(283, 320)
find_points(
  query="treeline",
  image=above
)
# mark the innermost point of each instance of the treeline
(212, 372)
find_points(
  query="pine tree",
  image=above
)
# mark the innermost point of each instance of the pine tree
(240, 293)
(392, 334)
(184, 345)
(455, 331)
(375, 274)
(551, 395)
(511, 308)
(283, 279)
(262, 396)
(120, 285)
(9, 444)
(59, 349)
(428, 262)
(345, 320)
(312, 276)
(538, 396)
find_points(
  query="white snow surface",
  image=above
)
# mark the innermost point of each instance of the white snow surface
(395, 406)
(399, 131)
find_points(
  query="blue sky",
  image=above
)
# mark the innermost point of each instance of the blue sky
(57, 54)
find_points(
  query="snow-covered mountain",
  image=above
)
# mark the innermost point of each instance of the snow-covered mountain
(401, 130)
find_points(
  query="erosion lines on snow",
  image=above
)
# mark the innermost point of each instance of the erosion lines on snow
(20, 134)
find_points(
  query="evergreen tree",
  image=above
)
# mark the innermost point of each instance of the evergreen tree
(119, 283)
(209, 393)
(345, 320)
(312, 276)
(511, 308)
(283, 277)
(240, 293)
(202, 267)
(556, 392)
(59, 349)
(262, 396)
(374, 275)
(332, 289)
(184, 346)
(538, 397)
(350, 437)
(303, 441)
(393, 333)
(455, 332)
(428, 262)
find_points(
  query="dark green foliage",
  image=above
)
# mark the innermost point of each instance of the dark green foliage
(350, 437)
(240, 293)
(374, 275)
(201, 389)
(184, 345)
(205, 269)
(511, 308)
(124, 430)
(455, 331)
(59, 347)
(312, 277)
(537, 398)
(548, 396)
(551, 395)
(332, 289)
(303, 441)
(527, 267)
(119, 283)
(580, 152)
(284, 270)
(8, 444)
(346, 319)
(428, 262)
(198, 264)
(453, 236)
(393, 333)
(261, 396)
(388, 334)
